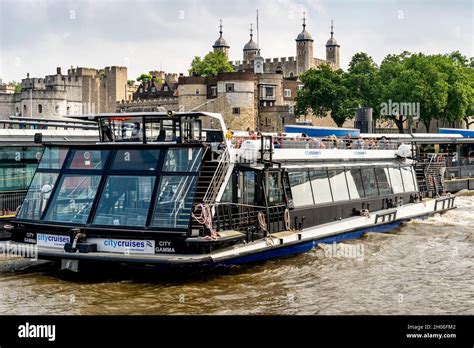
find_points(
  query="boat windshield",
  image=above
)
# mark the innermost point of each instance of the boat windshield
(123, 187)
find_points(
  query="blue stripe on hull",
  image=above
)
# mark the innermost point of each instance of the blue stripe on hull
(307, 246)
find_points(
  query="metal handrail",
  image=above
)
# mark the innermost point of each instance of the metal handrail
(218, 178)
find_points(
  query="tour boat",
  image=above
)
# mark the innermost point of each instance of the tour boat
(171, 189)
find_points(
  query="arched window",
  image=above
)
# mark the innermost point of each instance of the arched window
(40, 109)
(56, 109)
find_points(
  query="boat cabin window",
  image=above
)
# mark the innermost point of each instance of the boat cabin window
(354, 181)
(274, 188)
(383, 181)
(136, 160)
(321, 188)
(53, 158)
(246, 191)
(227, 196)
(73, 200)
(396, 180)
(337, 179)
(408, 180)
(37, 196)
(162, 130)
(183, 159)
(125, 201)
(174, 201)
(301, 188)
(17, 167)
(87, 159)
(370, 183)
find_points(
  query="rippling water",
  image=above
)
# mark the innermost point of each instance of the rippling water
(423, 267)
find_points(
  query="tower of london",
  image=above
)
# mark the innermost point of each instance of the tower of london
(288, 66)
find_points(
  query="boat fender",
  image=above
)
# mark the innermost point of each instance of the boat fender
(261, 221)
(365, 212)
(287, 219)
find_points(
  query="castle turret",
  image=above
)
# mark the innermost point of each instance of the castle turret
(332, 49)
(221, 45)
(304, 49)
(250, 48)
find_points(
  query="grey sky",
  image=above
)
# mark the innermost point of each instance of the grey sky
(38, 35)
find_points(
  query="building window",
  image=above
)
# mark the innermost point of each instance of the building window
(40, 109)
(24, 110)
(292, 74)
(269, 91)
(56, 109)
(214, 91)
(153, 89)
(300, 87)
(330, 48)
(287, 93)
(68, 110)
(229, 87)
(197, 91)
(165, 88)
(236, 111)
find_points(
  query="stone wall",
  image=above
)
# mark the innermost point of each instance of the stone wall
(7, 105)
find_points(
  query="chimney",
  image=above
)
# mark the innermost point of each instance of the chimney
(58, 71)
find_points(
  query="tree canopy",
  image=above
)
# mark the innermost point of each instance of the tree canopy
(325, 91)
(437, 86)
(144, 77)
(212, 64)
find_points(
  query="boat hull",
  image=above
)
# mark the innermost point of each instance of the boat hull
(277, 245)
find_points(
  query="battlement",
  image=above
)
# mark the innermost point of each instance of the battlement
(168, 77)
(115, 69)
(248, 63)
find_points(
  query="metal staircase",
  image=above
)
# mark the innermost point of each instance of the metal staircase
(430, 177)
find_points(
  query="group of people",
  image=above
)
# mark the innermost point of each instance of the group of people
(281, 140)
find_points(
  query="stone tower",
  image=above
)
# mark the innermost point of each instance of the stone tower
(332, 49)
(304, 49)
(250, 48)
(221, 45)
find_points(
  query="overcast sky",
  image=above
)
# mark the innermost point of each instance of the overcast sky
(36, 36)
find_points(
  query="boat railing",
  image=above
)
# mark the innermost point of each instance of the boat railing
(10, 201)
(280, 142)
(218, 178)
(244, 217)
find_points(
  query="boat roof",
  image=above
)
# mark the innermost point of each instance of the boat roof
(159, 114)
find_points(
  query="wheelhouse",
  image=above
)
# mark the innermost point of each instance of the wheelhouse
(115, 186)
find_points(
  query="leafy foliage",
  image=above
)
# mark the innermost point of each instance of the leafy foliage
(212, 64)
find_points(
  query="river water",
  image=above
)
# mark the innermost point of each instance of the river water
(423, 267)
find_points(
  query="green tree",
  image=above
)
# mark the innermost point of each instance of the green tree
(363, 82)
(212, 64)
(16, 84)
(460, 103)
(324, 91)
(144, 77)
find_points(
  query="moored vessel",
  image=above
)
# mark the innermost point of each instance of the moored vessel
(180, 190)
